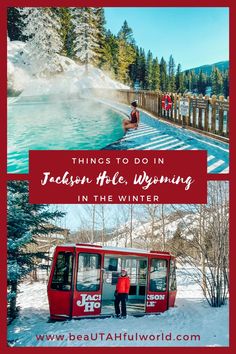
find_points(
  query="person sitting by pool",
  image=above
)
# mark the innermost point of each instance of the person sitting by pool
(133, 122)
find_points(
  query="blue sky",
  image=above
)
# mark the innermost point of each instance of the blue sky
(194, 36)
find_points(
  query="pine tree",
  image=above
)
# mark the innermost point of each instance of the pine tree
(149, 70)
(155, 82)
(103, 57)
(141, 69)
(126, 56)
(184, 80)
(111, 54)
(133, 70)
(65, 32)
(188, 80)
(194, 78)
(15, 24)
(217, 81)
(126, 52)
(86, 34)
(226, 83)
(201, 83)
(163, 75)
(179, 79)
(25, 221)
(171, 74)
(126, 33)
(44, 43)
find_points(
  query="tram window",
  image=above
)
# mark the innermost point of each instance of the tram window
(130, 264)
(142, 290)
(62, 275)
(142, 272)
(114, 279)
(172, 281)
(88, 277)
(133, 290)
(158, 275)
(111, 264)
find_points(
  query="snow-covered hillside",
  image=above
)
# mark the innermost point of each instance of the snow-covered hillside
(71, 79)
(141, 230)
(191, 316)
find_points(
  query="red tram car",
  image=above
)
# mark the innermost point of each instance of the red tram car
(83, 279)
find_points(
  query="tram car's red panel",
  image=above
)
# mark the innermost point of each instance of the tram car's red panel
(83, 280)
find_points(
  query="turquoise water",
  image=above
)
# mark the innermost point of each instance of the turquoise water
(49, 123)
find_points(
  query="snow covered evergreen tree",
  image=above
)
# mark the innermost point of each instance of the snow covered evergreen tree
(15, 24)
(103, 52)
(86, 47)
(63, 14)
(25, 221)
(41, 28)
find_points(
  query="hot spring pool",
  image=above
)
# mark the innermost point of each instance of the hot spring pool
(49, 123)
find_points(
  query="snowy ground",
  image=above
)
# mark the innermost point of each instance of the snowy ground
(191, 316)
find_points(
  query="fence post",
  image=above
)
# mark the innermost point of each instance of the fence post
(172, 107)
(200, 115)
(213, 114)
(194, 107)
(206, 115)
(140, 99)
(159, 103)
(156, 103)
(180, 118)
(189, 111)
(175, 107)
(227, 122)
(221, 116)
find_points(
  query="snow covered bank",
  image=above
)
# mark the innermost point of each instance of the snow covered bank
(191, 316)
(71, 80)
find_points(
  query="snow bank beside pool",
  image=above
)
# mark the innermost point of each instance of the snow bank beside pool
(18, 76)
(72, 79)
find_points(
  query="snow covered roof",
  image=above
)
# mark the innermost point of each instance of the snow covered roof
(116, 249)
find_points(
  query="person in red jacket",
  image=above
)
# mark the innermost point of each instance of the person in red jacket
(121, 293)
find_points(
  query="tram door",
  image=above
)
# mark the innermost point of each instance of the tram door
(60, 286)
(87, 287)
(137, 271)
(157, 290)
